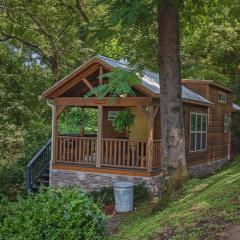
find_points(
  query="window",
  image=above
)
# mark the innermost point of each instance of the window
(198, 132)
(222, 97)
(227, 124)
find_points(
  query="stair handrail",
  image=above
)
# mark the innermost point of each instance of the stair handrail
(37, 165)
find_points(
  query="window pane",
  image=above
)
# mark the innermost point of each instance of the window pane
(204, 140)
(204, 122)
(199, 122)
(192, 142)
(193, 122)
(198, 144)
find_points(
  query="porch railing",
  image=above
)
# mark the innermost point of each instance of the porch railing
(124, 153)
(37, 165)
(78, 150)
(115, 153)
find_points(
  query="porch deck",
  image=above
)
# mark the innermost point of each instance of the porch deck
(114, 153)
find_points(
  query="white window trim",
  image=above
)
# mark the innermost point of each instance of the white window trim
(222, 101)
(190, 132)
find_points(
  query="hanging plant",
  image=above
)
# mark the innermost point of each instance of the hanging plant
(123, 121)
(120, 83)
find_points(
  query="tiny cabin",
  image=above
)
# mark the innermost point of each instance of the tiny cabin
(94, 161)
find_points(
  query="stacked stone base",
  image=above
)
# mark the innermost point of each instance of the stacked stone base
(95, 181)
(207, 169)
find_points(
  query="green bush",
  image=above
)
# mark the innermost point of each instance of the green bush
(103, 197)
(12, 181)
(54, 214)
(141, 193)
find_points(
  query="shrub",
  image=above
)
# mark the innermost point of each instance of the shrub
(54, 214)
(11, 179)
(141, 193)
(103, 197)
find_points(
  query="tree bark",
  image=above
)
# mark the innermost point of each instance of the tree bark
(172, 132)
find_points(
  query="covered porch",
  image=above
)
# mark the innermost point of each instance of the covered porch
(107, 149)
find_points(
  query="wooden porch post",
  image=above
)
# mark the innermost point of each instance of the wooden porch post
(150, 139)
(99, 137)
(54, 132)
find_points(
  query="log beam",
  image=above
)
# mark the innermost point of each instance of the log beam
(93, 101)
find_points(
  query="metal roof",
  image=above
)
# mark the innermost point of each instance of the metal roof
(150, 80)
(236, 107)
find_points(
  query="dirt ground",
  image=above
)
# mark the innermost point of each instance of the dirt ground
(232, 232)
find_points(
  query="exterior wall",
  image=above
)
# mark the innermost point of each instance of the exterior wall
(95, 181)
(218, 142)
(193, 158)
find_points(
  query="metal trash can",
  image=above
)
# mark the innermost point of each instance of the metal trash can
(123, 192)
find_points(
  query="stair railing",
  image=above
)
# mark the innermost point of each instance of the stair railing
(37, 165)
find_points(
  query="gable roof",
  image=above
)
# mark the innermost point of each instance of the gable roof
(235, 107)
(149, 80)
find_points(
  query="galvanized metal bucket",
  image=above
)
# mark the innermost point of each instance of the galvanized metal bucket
(123, 192)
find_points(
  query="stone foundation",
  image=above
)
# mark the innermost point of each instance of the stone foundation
(95, 181)
(203, 170)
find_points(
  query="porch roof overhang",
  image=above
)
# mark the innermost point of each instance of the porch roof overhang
(150, 83)
(93, 101)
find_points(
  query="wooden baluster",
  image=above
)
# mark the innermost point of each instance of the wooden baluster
(137, 157)
(124, 153)
(106, 153)
(60, 150)
(84, 150)
(128, 154)
(119, 152)
(80, 150)
(115, 152)
(87, 150)
(111, 158)
(132, 146)
(142, 157)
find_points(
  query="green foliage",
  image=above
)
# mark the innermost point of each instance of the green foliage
(76, 119)
(11, 178)
(53, 214)
(120, 83)
(141, 193)
(103, 197)
(124, 120)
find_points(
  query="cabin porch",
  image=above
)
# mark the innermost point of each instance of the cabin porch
(113, 153)
(139, 149)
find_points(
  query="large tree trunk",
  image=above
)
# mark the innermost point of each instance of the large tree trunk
(172, 131)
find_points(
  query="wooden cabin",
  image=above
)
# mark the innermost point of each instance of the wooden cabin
(96, 161)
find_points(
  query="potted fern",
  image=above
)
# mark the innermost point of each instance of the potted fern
(123, 121)
(120, 84)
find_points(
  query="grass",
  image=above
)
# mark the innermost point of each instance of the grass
(203, 208)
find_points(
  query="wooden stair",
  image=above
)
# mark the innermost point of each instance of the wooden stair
(37, 170)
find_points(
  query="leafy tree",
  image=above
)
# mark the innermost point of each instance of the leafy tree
(53, 32)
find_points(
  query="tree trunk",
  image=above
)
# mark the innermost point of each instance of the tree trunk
(172, 131)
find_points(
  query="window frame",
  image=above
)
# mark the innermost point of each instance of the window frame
(222, 94)
(195, 132)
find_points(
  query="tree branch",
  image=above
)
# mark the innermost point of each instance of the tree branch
(81, 11)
